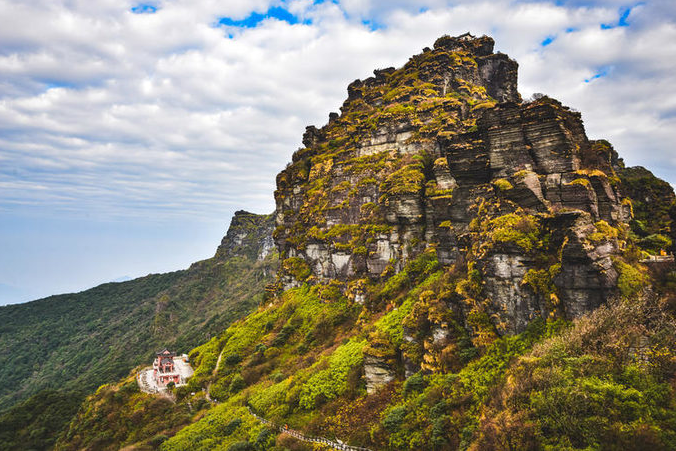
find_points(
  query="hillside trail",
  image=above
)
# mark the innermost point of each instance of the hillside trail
(213, 373)
(337, 444)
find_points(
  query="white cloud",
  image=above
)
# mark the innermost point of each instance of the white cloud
(170, 95)
(112, 114)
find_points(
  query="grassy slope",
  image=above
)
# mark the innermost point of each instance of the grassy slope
(36, 423)
(76, 342)
(604, 379)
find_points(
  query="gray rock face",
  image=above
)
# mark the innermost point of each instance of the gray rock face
(514, 306)
(495, 72)
(377, 372)
(587, 274)
(249, 235)
(499, 76)
(397, 173)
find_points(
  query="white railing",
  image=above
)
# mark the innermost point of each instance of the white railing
(339, 445)
(658, 258)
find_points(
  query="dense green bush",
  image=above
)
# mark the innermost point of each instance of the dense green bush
(394, 418)
(237, 383)
(241, 446)
(232, 426)
(232, 359)
(36, 422)
(587, 388)
(414, 383)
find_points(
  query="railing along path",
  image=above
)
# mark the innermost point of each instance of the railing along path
(339, 445)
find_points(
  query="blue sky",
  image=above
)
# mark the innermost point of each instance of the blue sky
(131, 131)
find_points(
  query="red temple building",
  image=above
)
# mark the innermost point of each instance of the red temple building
(164, 370)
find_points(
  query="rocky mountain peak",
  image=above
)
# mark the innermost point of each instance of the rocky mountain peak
(441, 156)
(453, 65)
(436, 238)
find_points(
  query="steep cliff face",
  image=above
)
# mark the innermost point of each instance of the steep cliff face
(442, 154)
(365, 192)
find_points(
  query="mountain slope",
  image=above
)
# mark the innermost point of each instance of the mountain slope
(459, 270)
(78, 341)
(36, 423)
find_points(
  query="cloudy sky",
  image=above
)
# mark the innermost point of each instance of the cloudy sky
(130, 132)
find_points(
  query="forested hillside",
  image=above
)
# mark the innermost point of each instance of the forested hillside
(75, 342)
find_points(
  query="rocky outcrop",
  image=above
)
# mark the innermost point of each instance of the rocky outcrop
(587, 277)
(377, 373)
(249, 235)
(442, 154)
(380, 361)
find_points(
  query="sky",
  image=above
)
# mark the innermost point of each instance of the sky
(130, 132)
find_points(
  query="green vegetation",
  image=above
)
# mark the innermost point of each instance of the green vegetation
(76, 342)
(653, 204)
(591, 387)
(331, 382)
(224, 427)
(120, 415)
(37, 422)
(632, 279)
(502, 184)
(518, 228)
(582, 182)
(407, 180)
(445, 413)
(297, 267)
(604, 232)
(541, 281)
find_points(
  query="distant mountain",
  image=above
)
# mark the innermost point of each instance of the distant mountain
(79, 341)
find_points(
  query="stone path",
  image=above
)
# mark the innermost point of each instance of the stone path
(337, 444)
(145, 380)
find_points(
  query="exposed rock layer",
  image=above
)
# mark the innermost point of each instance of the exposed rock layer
(442, 154)
(249, 235)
